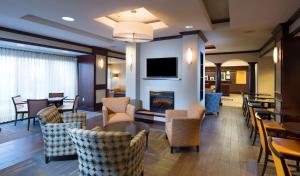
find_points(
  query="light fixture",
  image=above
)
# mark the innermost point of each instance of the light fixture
(189, 27)
(68, 18)
(130, 60)
(275, 54)
(20, 45)
(101, 63)
(133, 32)
(139, 14)
(189, 55)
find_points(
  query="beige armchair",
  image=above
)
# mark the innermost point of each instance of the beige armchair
(117, 110)
(183, 126)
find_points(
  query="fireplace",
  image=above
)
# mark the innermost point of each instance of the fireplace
(160, 101)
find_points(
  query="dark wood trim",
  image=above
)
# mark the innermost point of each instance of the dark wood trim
(268, 50)
(234, 52)
(297, 30)
(230, 68)
(202, 36)
(210, 47)
(270, 40)
(167, 38)
(116, 52)
(199, 32)
(190, 32)
(98, 106)
(41, 36)
(100, 86)
(223, 20)
(294, 17)
(99, 51)
(37, 44)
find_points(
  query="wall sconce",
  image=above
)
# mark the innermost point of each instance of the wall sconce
(275, 54)
(130, 60)
(101, 63)
(115, 75)
(189, 55)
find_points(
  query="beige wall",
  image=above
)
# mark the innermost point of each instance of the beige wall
(266, 75)
(119, 69)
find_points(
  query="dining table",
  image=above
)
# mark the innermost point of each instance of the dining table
(292, 128)
(57, 101)
(267, 103)
(266, 113)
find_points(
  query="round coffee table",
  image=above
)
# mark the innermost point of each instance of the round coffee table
(133, 128)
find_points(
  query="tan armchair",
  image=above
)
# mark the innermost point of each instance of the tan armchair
(117, 110)
(183, 127)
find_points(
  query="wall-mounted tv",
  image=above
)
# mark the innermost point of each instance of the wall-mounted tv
(162, 67)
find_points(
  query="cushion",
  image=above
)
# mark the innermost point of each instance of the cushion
(97, 128)
(116, 105)
(119, 117)
(49, 115)
(194, 111)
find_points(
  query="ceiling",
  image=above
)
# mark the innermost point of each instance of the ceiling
(250, 21)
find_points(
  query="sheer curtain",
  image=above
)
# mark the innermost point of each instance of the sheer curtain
(33, 75)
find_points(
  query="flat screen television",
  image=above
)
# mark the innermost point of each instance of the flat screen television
(162, 67)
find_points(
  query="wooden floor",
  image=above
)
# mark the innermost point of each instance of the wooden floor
(225, 149)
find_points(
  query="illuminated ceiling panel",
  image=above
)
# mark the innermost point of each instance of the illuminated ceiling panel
(138, 15)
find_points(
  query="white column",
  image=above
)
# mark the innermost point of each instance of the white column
(190, 73)
(132, 71)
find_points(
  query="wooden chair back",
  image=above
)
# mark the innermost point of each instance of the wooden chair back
(18, 102)
(263, 135)
(252, 116)
(75, 104)
(35, 105)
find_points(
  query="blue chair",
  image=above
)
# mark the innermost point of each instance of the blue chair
(212, 102)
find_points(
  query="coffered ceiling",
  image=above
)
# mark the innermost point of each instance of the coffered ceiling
(249, 27)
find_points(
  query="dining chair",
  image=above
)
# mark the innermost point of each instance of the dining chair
(20, 107)
(279, 161)
(34, 106)
(70, 105)
(264, 146)
(263, 127)
(269, 124)
(52, 95)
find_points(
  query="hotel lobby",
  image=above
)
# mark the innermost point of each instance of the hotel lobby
(154, 88)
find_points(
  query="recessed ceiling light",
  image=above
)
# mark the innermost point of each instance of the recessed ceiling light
(189, 27)
(20, 45)
(68, 18)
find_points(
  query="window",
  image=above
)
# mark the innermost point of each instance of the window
(33, 75)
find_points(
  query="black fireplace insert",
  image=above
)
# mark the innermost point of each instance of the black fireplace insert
(160, 101)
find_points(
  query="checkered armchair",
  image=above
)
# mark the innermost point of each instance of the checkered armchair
(109, 153)
(57, 142)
